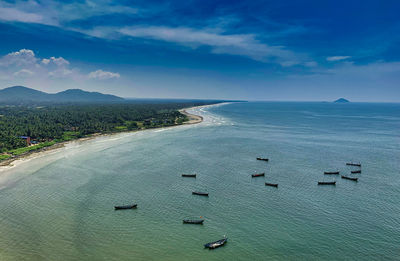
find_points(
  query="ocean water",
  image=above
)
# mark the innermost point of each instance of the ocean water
(60, 206)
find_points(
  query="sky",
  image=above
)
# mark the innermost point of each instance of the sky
(298, 50)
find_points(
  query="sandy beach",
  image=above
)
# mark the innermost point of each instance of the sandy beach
(13, 162)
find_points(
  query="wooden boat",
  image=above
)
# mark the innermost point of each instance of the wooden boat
(193, 221)
(125, 207)
(258, 175)
(353, 164)
(350, 178)
(200, 193)
(216, 244)
(189, 175)
(271, 184)
(355, 171)
(264, 159)
(331, 172)
(326, 182)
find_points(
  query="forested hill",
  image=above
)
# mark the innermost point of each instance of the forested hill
(23, 95)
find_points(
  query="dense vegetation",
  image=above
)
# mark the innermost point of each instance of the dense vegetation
(49, 124)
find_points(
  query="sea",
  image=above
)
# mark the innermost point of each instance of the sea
(60, 205)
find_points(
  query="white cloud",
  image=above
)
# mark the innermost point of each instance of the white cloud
(28, 12)
(57, 61)
(221, 43)
(24, 64)
(337, 58)
(12, 14)
(21, 57)
(103, 75)
(24, 73)
(60, 73)
(56, 13)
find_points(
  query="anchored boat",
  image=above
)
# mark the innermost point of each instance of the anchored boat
(125, 207)
(189, 175)
(326, 183)
(271, 184)
(350, 178)
(264, 159)
(355, 171)
(331, 172)
(258, 175)
(216, 244)
(353, 164)
(193, 221)
(200, 193)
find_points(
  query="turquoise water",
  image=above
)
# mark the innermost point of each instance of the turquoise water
(60, 207)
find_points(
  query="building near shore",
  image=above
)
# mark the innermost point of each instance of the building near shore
(28, 140)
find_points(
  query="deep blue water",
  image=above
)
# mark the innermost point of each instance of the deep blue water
(60, 207)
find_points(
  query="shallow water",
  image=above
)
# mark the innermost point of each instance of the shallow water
(60, 207)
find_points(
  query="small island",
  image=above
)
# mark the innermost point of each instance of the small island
(341, 100)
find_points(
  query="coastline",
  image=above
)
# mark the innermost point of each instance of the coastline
(13, 162)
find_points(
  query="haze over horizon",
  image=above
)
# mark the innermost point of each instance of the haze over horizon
(259, 50)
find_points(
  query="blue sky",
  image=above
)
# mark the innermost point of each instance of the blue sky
(255, 50)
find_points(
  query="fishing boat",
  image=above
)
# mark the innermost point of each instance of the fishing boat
(189, 175)
(264, 159)
(331, 172)
(216, 244)
(258, 175)
(350, 178)
(271, 184)
(200, 193)
(125, 207)
(193, 221)
(326, 182)
(356, 171)
(353, 164)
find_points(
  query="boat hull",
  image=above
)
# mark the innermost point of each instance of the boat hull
(189, 175)
(271, 184)
(125, 207)
(350, 178)
(331, 172)
(258, 175)
(192, 221)
(327, 183)
(216, 244)
(200, 193)
(354, 164)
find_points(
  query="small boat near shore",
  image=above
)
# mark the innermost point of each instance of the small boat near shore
(215, 244)
(353, 164)
(263, 159)
(125, 207)
(189, 175)
(271, 184)
(350, 178)
(355, 171)
(331, 172)
(258, 175)
(193, 221)
(327, 183)
(200, 193)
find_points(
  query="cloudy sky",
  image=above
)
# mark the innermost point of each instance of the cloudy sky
(257, 50)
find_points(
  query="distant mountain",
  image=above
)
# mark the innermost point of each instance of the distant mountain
(341, 100)
(21, 94)
(79, 95)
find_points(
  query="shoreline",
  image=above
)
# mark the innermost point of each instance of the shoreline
(12, 162)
